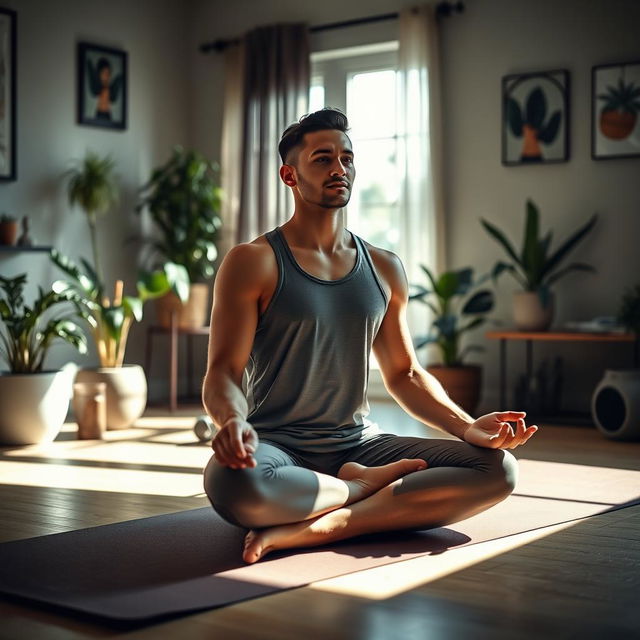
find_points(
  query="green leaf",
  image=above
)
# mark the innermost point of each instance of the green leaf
(567, 246)
(576, 266)
(530, 246)
(480, 302)
(501, 239)
(549, 133)
(132, 307)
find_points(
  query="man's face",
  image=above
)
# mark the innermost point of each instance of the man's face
(324, 169)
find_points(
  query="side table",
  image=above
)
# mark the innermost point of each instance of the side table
(174, 332)
(549, 336)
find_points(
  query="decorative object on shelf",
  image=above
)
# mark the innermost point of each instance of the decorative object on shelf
(8, 230)
(25, 239)
(34, 401)
(8, 111)
(535, 117)
(615, 111)
(183, 199)
(102, 86)
(615, 404)
(535, 269)
(456, 310)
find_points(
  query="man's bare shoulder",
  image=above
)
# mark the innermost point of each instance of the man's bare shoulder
(249, 265)
(388, 265)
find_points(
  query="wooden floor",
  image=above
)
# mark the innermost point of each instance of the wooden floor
(572, 581)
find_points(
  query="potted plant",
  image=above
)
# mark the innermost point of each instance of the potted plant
(536, 268)
(619, 114)
(183, 199)
(93, 187)
(458, 306)
(8, 230)
(34, 400)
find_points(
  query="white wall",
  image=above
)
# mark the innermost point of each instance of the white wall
(490, 39)
(153, 32)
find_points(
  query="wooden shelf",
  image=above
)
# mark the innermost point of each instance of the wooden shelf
(16, 249)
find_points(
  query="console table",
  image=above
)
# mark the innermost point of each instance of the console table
(549, 336)
(174, 332)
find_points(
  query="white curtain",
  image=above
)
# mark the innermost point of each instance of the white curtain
(420, 151)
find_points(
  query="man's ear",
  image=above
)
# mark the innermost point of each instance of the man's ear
(288, 175)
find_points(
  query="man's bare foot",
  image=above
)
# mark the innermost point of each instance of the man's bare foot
(308, 533)
(364, 481)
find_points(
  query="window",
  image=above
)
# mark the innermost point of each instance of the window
(361, 81)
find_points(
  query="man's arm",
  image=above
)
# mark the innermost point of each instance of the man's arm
(415, 389)
(234, 317)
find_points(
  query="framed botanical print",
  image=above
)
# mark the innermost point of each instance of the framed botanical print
(615, 111)
(102, 86)
(8, 153)
(535, 118)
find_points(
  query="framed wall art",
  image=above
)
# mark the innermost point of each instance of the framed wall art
(102, 86)
(615, 111)
(8, 152)
(535, 118)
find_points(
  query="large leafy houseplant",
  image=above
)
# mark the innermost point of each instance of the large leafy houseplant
(457, 306)
(535, 267)
(92, 186)
(29, 331)
(183, 199)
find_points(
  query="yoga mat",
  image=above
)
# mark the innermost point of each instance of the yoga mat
(141, 571)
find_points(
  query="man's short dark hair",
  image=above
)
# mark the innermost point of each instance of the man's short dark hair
(322, 120)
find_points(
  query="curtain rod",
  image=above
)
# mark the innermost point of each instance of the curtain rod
(443, 9)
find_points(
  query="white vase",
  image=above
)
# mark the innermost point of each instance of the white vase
(126, 389)
(529, 313)
(615, 404)
(34, 406)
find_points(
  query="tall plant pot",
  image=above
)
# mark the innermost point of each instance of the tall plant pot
(529, 314)
(126, 389)
(463, 384)
(191, 315)
(33, 406)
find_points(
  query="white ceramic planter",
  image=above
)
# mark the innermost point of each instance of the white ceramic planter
(528, 312)
(126, 389)
(34, 406)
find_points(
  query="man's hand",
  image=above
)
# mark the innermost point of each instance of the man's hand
(235, 444)
(493, 430)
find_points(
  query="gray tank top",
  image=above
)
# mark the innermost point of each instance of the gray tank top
(307, 376)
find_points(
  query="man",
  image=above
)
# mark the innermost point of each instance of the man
(298, 311)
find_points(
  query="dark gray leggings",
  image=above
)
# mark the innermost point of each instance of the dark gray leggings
(461, 478)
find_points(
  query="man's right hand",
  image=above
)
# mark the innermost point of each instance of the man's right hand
(235, 444)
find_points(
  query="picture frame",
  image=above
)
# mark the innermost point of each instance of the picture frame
(102, 86)
(8, 81)
(535, 118)
(615, 110)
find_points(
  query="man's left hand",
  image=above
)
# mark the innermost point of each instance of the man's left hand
(494, 430)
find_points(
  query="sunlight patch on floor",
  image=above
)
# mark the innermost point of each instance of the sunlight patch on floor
(61, 476)
(390, 580)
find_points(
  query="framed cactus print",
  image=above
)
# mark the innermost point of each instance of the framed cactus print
(535, 118)
(615, 111)
(102, 86)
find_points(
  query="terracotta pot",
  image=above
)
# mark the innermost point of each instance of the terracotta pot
(126, 389)
(463, 384)
(528, 312)
(8, 233)
(191, 315)
(617, 125)
(34, 406)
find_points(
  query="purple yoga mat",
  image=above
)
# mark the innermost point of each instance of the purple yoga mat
(144, 570)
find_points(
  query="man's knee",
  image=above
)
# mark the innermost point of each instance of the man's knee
(504, 473)
(238, 495)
